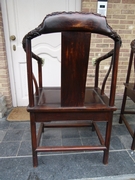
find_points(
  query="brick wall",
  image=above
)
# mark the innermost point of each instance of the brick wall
(121, 17)
(4, 75)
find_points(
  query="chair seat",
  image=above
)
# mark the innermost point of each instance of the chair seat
(49, 99)
(130, 90)
(129, 86)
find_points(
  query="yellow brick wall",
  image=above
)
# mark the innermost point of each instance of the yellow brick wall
(121, 17)
(4, 74)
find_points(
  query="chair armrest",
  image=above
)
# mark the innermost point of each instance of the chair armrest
(97, 62)
(40, 60)
(109, 54)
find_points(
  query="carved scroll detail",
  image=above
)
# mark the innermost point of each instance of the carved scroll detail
(32, 34)
(42, 28)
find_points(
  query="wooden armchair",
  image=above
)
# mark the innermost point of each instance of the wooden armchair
(73, 100)
(129, 92)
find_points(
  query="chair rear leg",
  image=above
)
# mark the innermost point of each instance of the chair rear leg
(133, 142)
(33, 140)
(107, 139)
(93, 127)
(123, 105)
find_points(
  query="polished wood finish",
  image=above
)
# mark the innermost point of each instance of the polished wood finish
(73, 101)
(129, 91)
(73, 51)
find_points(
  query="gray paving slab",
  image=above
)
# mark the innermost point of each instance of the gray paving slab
(67, 166)
(16, 159)
(122, 177)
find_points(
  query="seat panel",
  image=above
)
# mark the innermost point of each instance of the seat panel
(50, 99)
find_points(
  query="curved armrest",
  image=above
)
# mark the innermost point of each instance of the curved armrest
(97, 61)
(109, 54)
(40, 60)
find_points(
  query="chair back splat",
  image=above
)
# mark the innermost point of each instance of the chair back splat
(75, 55)
(73, 102)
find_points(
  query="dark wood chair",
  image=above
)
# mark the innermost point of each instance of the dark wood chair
(129, 91)
(73, 100)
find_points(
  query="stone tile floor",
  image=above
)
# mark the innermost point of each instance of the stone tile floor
(16, 161)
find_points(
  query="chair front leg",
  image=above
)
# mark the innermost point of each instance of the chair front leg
(108, 138)
(33, 139)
